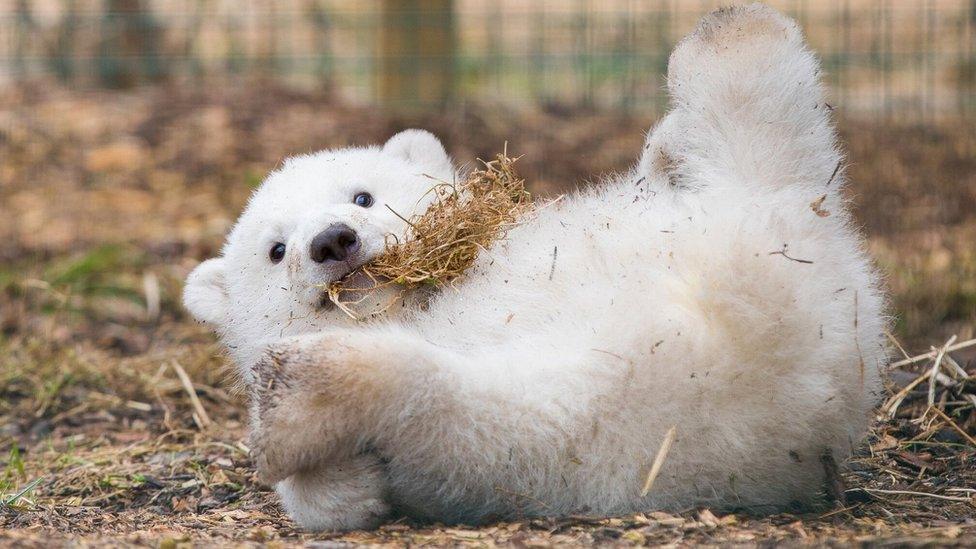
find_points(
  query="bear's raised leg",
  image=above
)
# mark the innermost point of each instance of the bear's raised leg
(748, 108)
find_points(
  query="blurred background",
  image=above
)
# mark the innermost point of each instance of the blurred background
(907, 59)
(132, 131)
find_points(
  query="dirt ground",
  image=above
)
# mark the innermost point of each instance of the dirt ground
(120, 422)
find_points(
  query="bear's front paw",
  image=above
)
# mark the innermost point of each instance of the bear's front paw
(273, 457)
(345, 495)
(306, 403)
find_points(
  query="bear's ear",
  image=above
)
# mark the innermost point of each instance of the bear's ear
(420, 147)
(205, 293)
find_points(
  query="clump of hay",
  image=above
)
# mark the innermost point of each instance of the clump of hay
(444, 241)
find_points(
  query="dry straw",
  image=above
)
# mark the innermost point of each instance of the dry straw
(446, 239)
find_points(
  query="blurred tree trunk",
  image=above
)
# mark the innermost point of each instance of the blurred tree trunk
(130, 44)
(63, 50)
(417, 48)
(192, 40)
(24, 30)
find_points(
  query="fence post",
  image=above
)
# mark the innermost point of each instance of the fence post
(24, 27)
(130, 38)
(417, 48)
(62, 50)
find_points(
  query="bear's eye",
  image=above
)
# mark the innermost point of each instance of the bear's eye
(364, 200)
(277, 253)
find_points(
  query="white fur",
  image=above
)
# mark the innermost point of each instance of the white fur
(700, 290)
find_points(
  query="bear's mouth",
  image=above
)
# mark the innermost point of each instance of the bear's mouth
(325, 302)
(355, 285)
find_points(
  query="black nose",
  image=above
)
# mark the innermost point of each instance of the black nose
(334, 244)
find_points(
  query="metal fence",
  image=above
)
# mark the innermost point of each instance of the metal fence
(883, 58)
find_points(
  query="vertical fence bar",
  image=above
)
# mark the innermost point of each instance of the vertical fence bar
(929, 92)
(321, 20)
(887, 56)
(496, 46)
(665, 42)
(631, 83)
(537, 56)
(64, 48)
(968, 96)
(876, 55)
(25, 29)
(844, 81)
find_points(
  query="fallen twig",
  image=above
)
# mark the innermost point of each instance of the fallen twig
(662, 453)
(936, 366)
(954, 425)
(200, 416)
(931, 354)
(910, 493)
(891, 406)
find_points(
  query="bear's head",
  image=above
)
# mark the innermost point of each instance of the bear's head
(311, 222)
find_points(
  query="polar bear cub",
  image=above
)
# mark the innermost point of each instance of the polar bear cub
(717, 289)
(314, 220)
